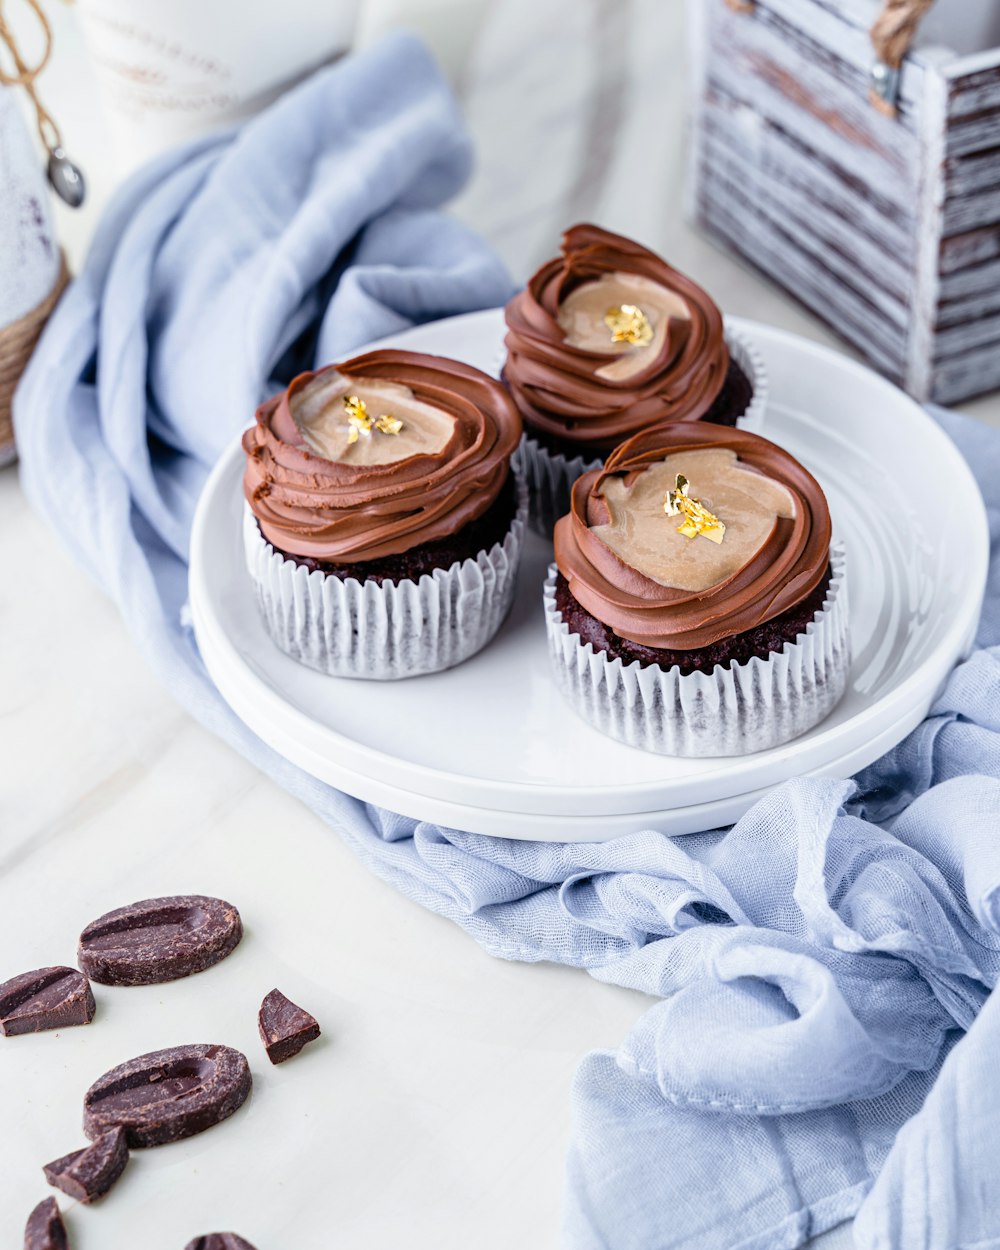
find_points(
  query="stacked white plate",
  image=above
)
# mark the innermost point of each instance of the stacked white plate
(491, 747)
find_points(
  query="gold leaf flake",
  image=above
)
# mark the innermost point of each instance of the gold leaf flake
(629, 324)
(361, 422)
(698, 521)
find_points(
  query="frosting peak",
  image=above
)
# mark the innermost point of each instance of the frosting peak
(629, 566)
(573, 381)
(315, 493)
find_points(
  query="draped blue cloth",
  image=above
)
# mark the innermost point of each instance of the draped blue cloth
(823, 1036)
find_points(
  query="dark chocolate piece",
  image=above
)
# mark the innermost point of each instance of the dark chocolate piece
(761, 641)
(466, 543)
(168, 1095)
(49, 998)
(219, 1241)
(88, 1174)
(159, 939)
(284, 1028)
(45, 1229)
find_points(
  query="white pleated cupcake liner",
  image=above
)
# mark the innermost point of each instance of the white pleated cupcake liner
(747, 355)
(347, 628)
(730, 711)
(550, 475)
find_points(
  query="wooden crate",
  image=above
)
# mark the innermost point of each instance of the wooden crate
(884, 222)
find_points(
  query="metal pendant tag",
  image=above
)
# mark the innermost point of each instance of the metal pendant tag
(67, 180)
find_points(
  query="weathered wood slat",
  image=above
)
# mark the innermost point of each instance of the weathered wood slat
(969, 212)
(970, 281)
(951, 341)
(843, 30)
(820, 104)
(972, 375)
(975, 133)
(965, 175)
(967, 251)
(807, 277)
(975, 92)
(886, 223)
(971, 308)
(811, 223)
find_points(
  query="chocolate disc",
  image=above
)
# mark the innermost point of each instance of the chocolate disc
(88, 1174)
(48, 998)
(159, 939)
(168, 1095)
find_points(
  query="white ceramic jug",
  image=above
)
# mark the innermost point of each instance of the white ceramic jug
(169, 70)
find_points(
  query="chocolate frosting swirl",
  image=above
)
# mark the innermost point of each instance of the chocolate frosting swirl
(785, 570)
(344, 513)
(556, 385)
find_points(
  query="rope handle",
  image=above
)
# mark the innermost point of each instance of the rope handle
(892, 34)
(895, 28)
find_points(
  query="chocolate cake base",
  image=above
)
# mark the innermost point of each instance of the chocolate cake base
(730, 404)
(479, 535)
(761, 641)
(734, 398)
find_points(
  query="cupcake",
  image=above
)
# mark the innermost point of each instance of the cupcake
(696, 606)
(607, 340)
(383, 522)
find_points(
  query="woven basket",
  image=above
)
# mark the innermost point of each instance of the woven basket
(17, 342)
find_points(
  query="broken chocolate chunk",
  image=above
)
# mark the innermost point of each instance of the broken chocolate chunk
(219, 1241)
(88, 1174)
(284, 1027)
(168, 1095)
(45, 1229)
(159, 939)
(48, 998)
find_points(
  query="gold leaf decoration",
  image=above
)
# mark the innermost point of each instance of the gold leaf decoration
(698, 521)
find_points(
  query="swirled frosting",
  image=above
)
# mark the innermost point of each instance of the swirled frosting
(385, 493)
(629, 566)
(572, 382)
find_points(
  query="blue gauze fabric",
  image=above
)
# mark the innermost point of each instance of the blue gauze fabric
(815, 966)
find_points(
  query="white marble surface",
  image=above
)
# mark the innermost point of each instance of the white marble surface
(448, 1073)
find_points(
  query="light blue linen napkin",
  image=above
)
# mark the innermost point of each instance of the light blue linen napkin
(815, 966)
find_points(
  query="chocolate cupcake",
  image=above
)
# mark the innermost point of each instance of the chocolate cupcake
(606, 341)
(384, 523)
(696, 606)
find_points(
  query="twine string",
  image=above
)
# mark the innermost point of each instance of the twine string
(26, 75)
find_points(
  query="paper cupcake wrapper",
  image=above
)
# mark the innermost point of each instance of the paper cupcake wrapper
(550, 475)
(347, 628)
(747, 355)
(730, 711)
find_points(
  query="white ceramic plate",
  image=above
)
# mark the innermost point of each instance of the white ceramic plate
(491, 747)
